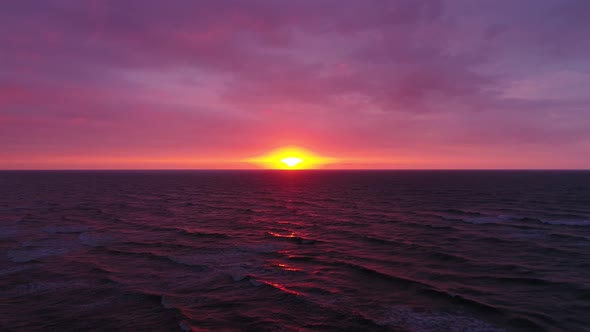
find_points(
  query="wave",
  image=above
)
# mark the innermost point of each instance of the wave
(8, 232)
(23, 255)
(447, 257)
(528, 323)
(210, 254)
(279, 287)
(14, 269)
(461, 300)
(290, 237)
(158, 257)
(185, 326)
(215, 262)
(378, 240)
(168, 302)
(202, 233)
(485, 220)
(580, 290)
(379, 274)
(303, 203)
(95, 239)
(409, 319)
(238, 273)
(45, 287)
(570, 236)
(180, 230)
(522, 221)
(65, 229)
(463, 212)
(566, 216)
(567, 222)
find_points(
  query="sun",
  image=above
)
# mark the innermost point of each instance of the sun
(291, 161)
(290, 158)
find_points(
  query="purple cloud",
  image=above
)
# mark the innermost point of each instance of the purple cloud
(436, 83)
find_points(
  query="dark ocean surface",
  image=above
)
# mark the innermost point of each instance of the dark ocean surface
(295, 251)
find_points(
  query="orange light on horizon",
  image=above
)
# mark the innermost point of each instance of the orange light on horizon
(290, 158)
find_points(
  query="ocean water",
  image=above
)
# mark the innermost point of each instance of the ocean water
(295, 251)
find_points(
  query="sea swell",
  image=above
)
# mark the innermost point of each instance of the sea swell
(333, 251)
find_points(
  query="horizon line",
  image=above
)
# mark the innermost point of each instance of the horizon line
(290, 170)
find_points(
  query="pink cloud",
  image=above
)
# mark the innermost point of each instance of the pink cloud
(427, 81)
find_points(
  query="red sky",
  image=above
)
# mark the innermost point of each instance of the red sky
(374, 84)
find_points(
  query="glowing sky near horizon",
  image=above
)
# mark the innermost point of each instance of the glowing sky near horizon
(375, 84)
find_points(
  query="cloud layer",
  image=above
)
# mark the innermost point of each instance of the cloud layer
(425, 84)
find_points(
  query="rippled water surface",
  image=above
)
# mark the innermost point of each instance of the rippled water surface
(290, 251)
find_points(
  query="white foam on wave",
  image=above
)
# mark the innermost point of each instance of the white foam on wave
(405, 318)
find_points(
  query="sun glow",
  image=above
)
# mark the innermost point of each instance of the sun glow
(291, 161)
(290, 158)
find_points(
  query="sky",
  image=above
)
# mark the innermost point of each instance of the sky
(142, 84)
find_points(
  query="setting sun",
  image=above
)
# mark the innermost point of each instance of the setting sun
(291, 161)
(290, 158)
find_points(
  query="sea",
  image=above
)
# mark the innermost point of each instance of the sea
(310, 250)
